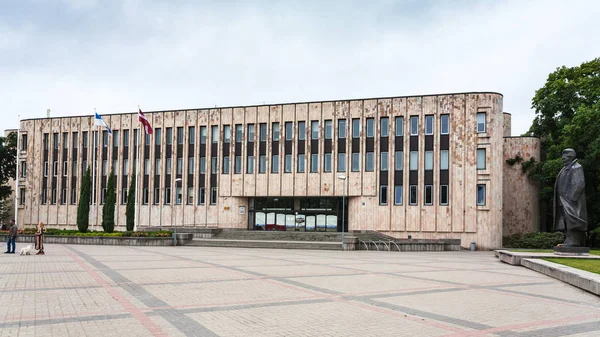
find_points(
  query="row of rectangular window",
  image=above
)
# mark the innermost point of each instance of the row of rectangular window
(370, 131)
(427, 195)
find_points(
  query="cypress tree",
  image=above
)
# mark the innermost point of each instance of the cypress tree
(108, 210)
(83, 208)
(130, 211)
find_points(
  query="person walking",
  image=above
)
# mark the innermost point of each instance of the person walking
(39, 239)
(12, 238)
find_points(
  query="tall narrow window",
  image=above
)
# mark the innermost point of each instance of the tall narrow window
(65, 140)
(226, 134)
(287, 165)
(300, 163)
(213, 195)
(398, 160)
(178, 195)
(201, 196)
(179, 166)
(383, 195)
(275, 131)
(238, 133)
(369, 162)
(74, 169)
(203, 135)
(355, 162)
(341, 162)
(328, 129)
(191, 135)
(288, 131)
(104, 168)
(383, 161)
(444, 195)
(45, 169)
(444, 124)
(125, 166)
(263, 132)
(238, 165)
(23, 142)
(481, 159)
(169, 136)
(384, 127)
(250, 133)
(76, 139)
(275, 163)
(146, 167)
(123, 196)
(157, 167)
(480, 194)
(262, 164)
(179, 135)
(24, 169)
(327, 162)
(414, 125)
(414, 160)
(429, 160)
(21, 196)
(145, 196)
(413, 195)
(115, 138)
(225, 168)
(429, 125)
(314, 162)
(115, 167)
(398, 195)
(250, 165)
(399, 126)
(341, 128)
(314, 130)
(202, 165)
(190, 195)
(157, 136)
(481, 123)
(168, 163)
(156, 199)
(355, 128)
(428, 195)
(167, 196)
(443, 159)
(370, 127)
(55, 169)
(55, 140)
(191, 165)
(301, 130)
(125, 138)
(214, 134)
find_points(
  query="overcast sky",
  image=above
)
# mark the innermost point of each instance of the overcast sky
(72, 56)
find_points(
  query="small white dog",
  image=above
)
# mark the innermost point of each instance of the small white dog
(26, 250)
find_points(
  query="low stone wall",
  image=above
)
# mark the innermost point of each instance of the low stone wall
(108, 240)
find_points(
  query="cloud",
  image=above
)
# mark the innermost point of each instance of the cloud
(114, 55)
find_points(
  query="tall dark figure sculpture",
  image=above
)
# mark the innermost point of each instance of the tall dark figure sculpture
(570, 213)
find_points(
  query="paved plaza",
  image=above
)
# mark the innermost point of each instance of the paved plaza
(194, 291)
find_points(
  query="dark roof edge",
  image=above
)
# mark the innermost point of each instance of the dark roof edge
(271, 104)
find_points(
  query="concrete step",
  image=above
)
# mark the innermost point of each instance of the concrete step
(272, 244)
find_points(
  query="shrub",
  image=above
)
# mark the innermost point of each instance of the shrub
(108, 210)
(538, 240)
(83, 209)
(130, 210)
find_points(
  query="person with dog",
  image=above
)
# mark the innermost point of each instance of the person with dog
(12, 238)
(39, 239)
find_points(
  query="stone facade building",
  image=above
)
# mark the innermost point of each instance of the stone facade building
(429, 166)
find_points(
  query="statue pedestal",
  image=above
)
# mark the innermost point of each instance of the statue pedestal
(571, 251)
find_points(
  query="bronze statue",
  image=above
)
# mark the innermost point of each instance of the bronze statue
(570, 213)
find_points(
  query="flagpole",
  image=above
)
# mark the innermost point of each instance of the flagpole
(138, 164)
(17, 175)
(94, 134)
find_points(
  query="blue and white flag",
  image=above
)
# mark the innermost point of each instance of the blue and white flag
(100, 122)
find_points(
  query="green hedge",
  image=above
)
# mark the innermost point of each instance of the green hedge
(71, 232)
(539, 240)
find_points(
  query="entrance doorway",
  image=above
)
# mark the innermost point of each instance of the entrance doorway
(297, 214)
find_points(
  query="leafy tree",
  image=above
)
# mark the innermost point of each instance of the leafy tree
(108, 210)
(83, 208)
(8, 163)
(6, 210)
(568, 116)
(130, 211)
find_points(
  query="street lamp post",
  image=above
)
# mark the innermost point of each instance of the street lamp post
(343, 177)
(177, 181)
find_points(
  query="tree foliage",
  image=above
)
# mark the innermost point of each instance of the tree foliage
(130, 211)
(7, 210)
(568, 116)
(108, 210)
(83, 208)
(8, 163)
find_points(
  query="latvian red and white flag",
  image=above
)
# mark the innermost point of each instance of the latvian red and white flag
(142, 118)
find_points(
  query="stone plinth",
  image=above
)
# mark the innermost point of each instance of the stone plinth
(571, 251)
